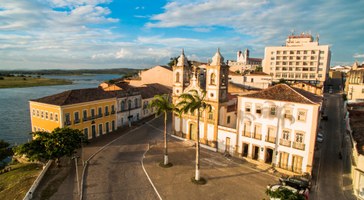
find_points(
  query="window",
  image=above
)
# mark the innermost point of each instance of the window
(84, 114)
(212, 79)
(100, 112)
(362, 90)
(77, 117)
(92, 113)
(42, 114)
(288, 114)
(35, 129)
(67, 118)
(177, 77)
(228, 119)
(211, 115)
(46, 115)
(247, 108)
(33, 112)
(56, 117)
(301, 115)
(122, 105)
(112, 109)
(286, 134)
(106, 110)
(246, 131)
(51, 116)
(272, 110)
(135, 103)
(129, 104)
(299, 138)
(258, 109)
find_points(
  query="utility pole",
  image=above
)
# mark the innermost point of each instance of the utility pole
(78, 183)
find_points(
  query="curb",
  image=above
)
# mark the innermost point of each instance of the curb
(35, 184)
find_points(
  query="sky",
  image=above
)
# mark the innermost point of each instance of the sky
(80, 34)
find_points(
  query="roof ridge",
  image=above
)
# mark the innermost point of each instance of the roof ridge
(294, 89)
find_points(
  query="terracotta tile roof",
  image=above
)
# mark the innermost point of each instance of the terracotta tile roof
(231, 108)
(76, 96)
(283, 92)
(150, 90)
(257, 74)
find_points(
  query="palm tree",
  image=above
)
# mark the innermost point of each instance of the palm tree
(191, 102)
(162, 104)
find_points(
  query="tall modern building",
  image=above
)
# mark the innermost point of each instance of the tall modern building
(301, 59)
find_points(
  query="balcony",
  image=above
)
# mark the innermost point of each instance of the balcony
(76, 121)
(107, 113)
(85, 119)
(99, 115)
(113, 112)
(299, 146)
(270, 139)
(284, 142)
(257, 136)
(247, 134)
(67, 123)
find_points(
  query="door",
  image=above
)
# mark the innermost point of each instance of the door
(255, 152)
(193, 130)
(283, 160)
(297, 164)
(268, 155)
(93, 130)
(245, 149)
(113, 125)
(227, 145)
(85, 132)
(100, 129)
(107, 127)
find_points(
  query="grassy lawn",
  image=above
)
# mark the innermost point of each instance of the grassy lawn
(16, 183)
(16, 82)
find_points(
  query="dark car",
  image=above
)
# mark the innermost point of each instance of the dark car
(300, 183)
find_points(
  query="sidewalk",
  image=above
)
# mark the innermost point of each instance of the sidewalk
(227, 178)
(60, 183)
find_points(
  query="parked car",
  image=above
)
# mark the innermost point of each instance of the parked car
(320, 137)
(298, 182)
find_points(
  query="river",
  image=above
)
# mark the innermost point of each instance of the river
(14, 106)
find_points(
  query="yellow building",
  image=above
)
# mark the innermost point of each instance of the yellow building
(90, 110)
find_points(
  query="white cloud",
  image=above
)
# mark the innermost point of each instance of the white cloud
(357, 55)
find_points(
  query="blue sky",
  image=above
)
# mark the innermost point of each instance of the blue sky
(75, 34)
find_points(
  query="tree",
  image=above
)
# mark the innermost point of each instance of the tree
(259, 69)
(284, 194)
(5, 151)
(46, 146)
(191, 102)
(172, 61)
(162, 104)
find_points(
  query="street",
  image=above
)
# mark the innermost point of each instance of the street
(329, 164)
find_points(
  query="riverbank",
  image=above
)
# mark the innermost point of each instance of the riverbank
(21, 82)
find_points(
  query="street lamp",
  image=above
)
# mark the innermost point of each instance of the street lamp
(78, 183)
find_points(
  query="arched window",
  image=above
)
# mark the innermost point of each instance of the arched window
(122, 105)
(129, 104)
(212, 79)
(177, 77)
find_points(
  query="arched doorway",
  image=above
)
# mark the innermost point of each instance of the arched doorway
(193, 131)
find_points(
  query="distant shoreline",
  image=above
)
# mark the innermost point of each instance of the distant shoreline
(23, 82)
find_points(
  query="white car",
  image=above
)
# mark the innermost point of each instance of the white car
(273, 188)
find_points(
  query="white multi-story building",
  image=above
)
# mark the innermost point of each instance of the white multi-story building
(300, 59)
(253, 80)
(278, 126)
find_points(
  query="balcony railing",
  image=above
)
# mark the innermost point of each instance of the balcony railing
(285, 142)
(127, 109)
(113, 112)
(106, 113)
(76, 121)
(270, 139)
(85, 119)
(99, 115)
(247, 134)
(257, 136)
(298, 145)
(67, 123)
